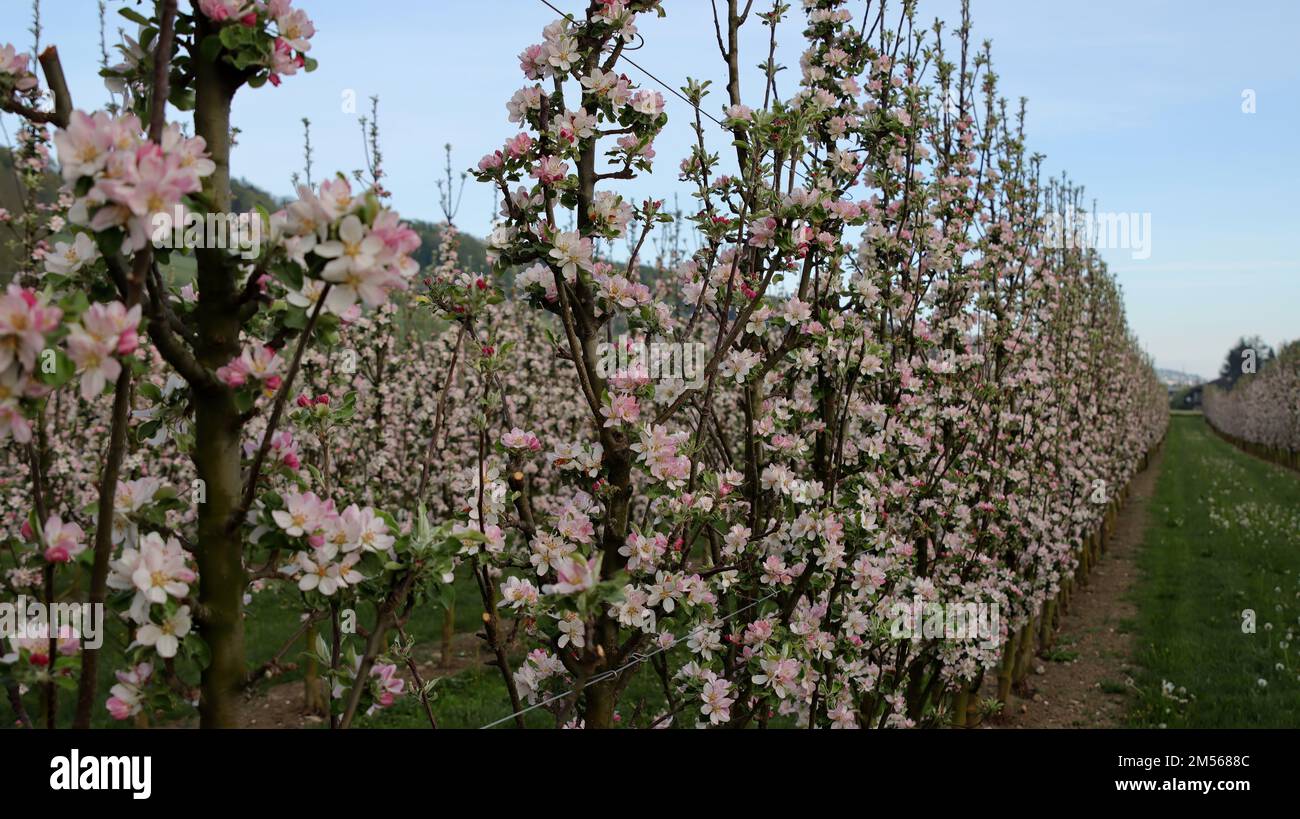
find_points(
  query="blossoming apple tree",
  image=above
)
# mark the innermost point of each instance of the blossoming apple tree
(222, 352)
(873, 417)
(909, 390)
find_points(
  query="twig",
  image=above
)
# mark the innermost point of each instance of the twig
(255, 471)
(419, 682)
(438, 418)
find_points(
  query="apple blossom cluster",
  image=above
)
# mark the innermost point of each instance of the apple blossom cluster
(352, 243)
(129, 694)
(57, 541)
(334, 541)
(271, 36)
(26, 660)
(105, 332)
(66, 259)
(156, 573)
(261, 365)
(35, 333)
(121, 180)
(26, 320)
(15, 76)
(33, 649)
(329, 244)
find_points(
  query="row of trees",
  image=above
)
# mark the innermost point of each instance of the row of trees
(1262, 405)
(907, 392)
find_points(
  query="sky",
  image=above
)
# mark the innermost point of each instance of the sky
(1141, 101)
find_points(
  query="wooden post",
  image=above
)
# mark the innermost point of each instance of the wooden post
(960, 707)
(1048, 632)
(1025, 654)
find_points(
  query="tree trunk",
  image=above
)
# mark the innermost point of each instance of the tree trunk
(1025, 654)
(222, 579)
(217, 456)
(960, 707)
(601, 700)
(448, 631)
(602, 697)
(1048, 634)
(1007, 669)
(313, 693)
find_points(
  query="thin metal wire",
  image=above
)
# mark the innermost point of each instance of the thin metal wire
(638, 67)
(636, 660)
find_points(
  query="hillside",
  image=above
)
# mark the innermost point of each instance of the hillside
(11, 199)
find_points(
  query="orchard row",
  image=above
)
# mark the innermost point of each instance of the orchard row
(909, 395)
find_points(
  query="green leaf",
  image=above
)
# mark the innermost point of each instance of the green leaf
(296, 319)
(348, 409)
(134, 16)
(210, 47)
(181, 97)
(148, 430)
(63, 370)
(322, 650)
(230, 37)
(291, 275)
(198, 650)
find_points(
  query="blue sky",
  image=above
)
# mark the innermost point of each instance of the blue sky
(1140, 101)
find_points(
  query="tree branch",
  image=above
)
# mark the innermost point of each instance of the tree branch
(255, 471)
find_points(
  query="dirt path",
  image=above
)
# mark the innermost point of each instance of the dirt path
(1084, 680)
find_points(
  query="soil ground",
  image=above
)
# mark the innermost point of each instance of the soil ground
(1086, 678)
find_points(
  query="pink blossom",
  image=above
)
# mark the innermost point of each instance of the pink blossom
(63, 541)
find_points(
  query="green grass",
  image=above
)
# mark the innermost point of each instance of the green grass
(274, 616)
(477, 697)
(473, 698)
(1059, 654)
(271, 618)
(1223, 538)
(1113, 687)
